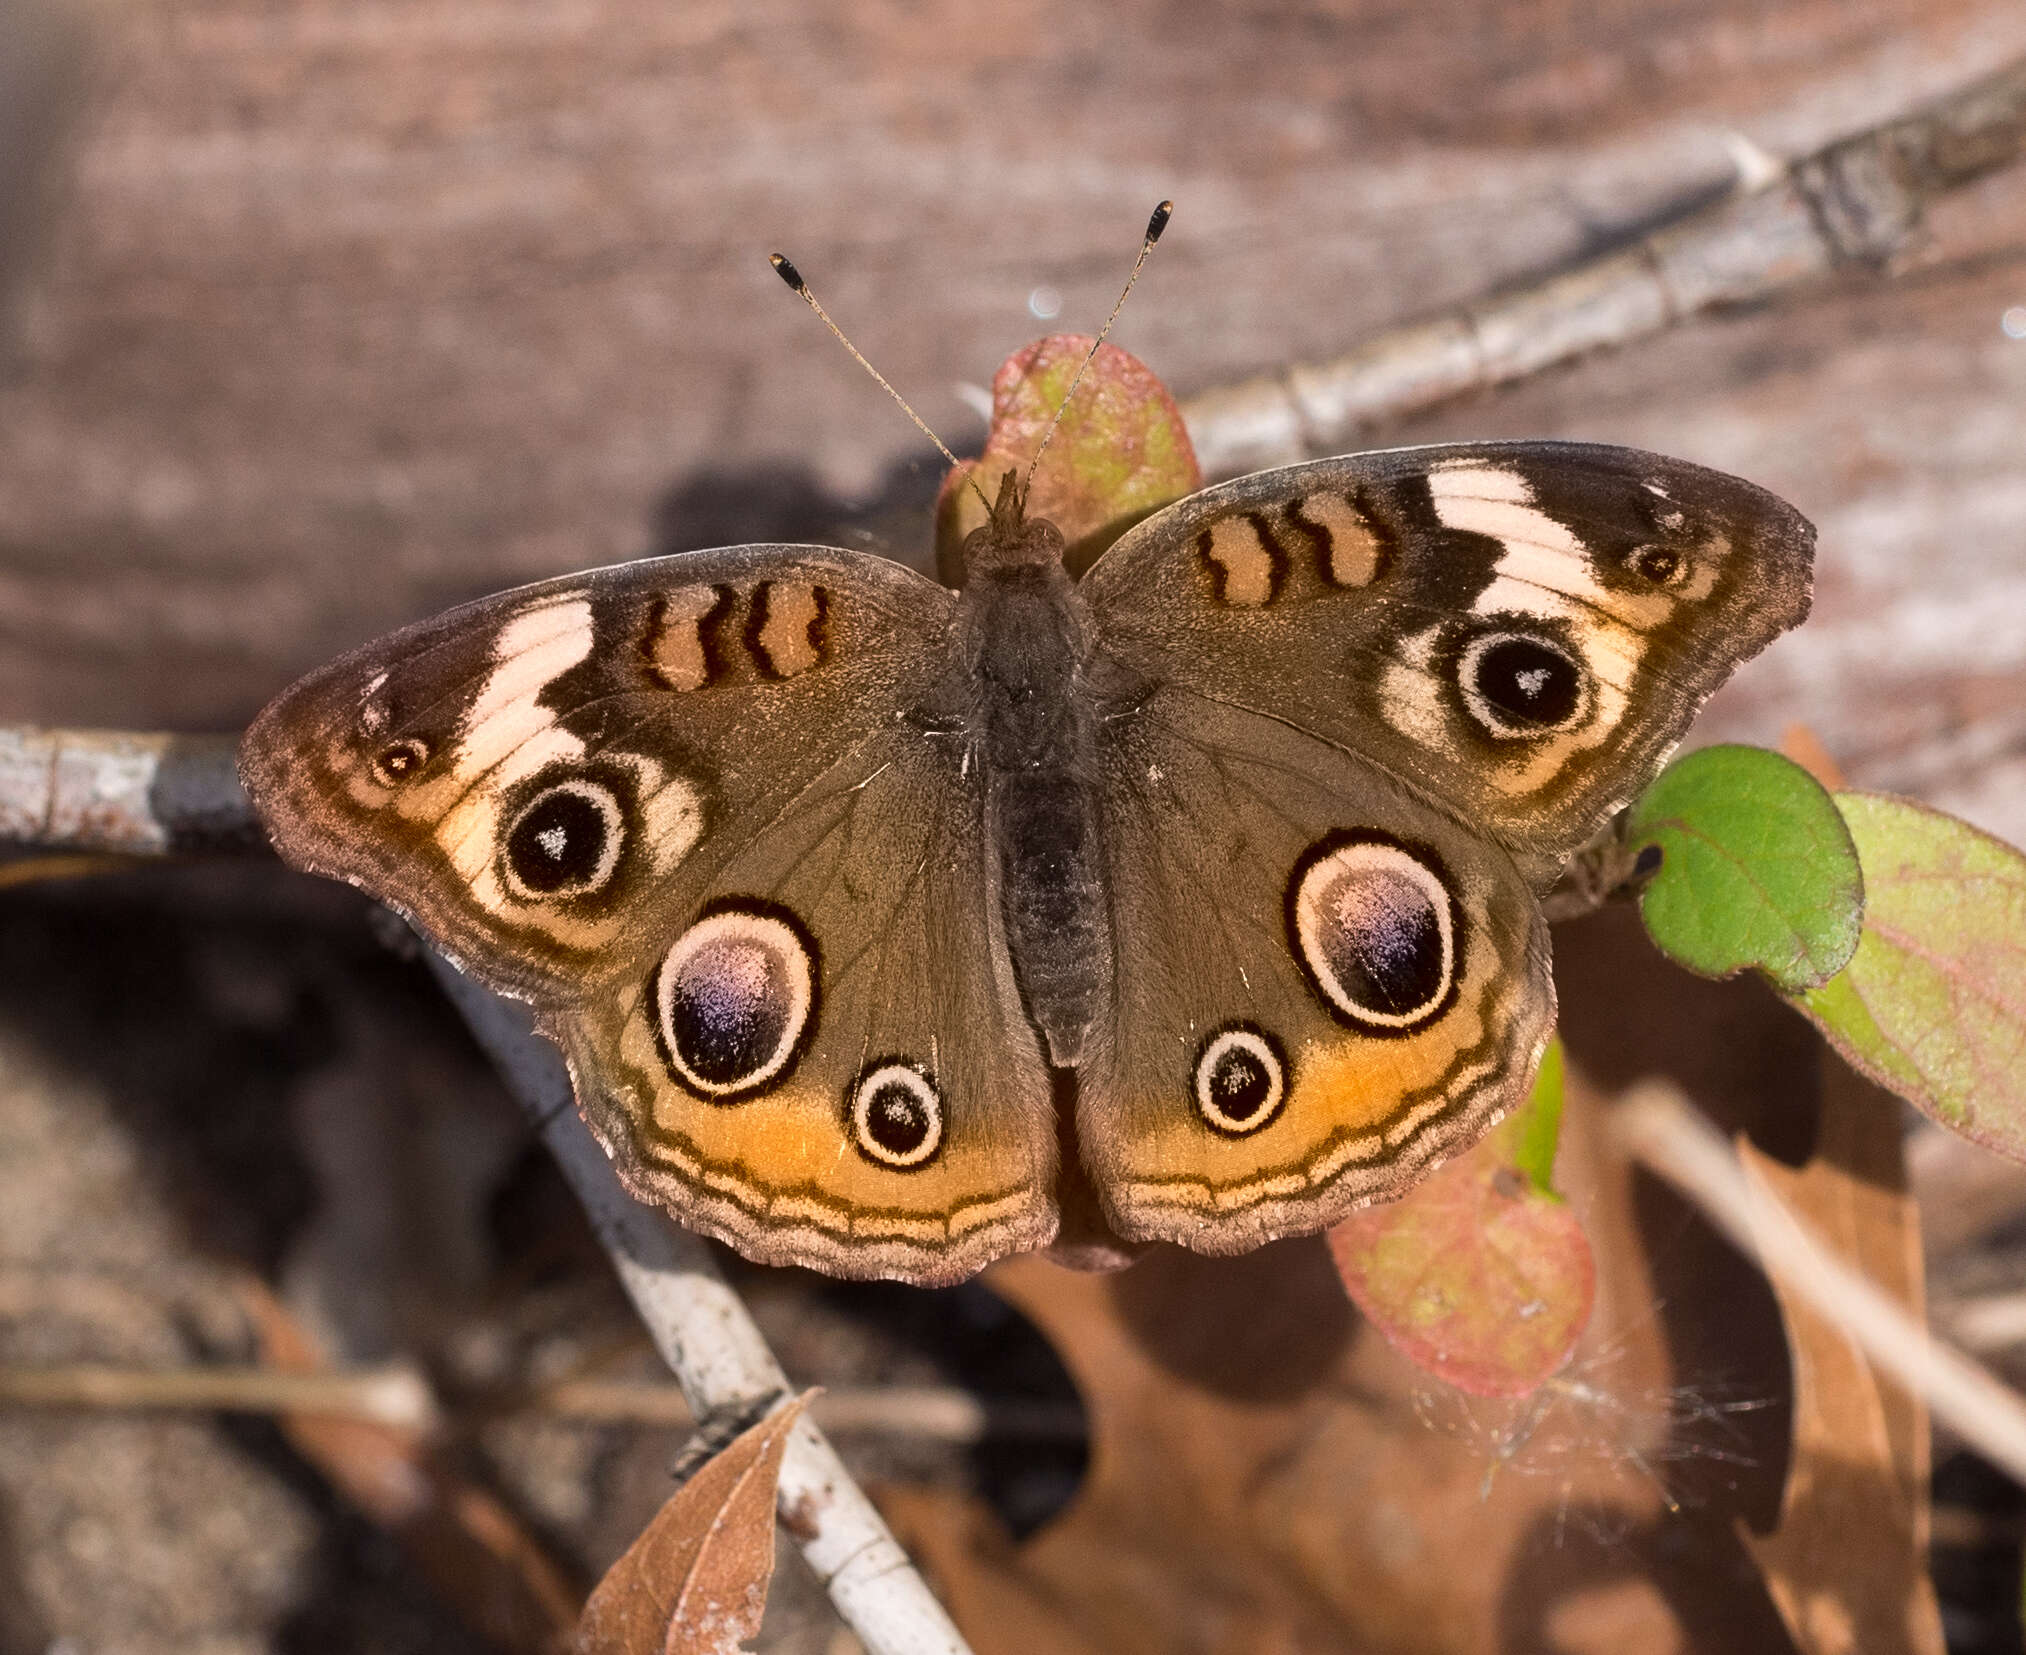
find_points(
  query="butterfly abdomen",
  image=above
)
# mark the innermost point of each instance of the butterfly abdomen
(1028, 646)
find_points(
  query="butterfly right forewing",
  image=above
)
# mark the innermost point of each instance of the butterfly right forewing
(708, 815)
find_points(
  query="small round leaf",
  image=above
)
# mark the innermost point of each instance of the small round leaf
(1120, 453)
(1757, 869)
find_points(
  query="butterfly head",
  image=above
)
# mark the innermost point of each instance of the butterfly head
(1010, 539)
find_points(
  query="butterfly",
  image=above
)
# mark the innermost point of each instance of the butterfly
(889, 929)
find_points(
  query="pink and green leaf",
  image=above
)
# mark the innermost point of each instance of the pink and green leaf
(1481, 1275)
(1121, 452)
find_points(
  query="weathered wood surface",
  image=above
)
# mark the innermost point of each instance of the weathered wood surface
(348, 310)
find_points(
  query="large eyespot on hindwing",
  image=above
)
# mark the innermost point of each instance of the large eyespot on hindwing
(564, 842)
(1518, 683)
(1239, 1080)
(896, 1115)
(735, 1000)
(1377, 930)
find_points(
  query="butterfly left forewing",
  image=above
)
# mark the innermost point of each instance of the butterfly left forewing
(687, 697)
(1324, 983)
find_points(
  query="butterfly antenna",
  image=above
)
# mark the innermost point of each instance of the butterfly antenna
(786, 270)
(1155, 225)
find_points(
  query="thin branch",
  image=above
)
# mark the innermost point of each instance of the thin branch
(712, 1346)
(399, 1396)
(943, 1413)
(1661, 1129)
(115, 790)
(1857, 203)
(1996, 1322)
(394, 1395)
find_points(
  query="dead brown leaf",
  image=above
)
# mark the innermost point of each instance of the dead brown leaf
(1847, 1564)
(1265, 1480)
(695, 1582)
(467, 1544)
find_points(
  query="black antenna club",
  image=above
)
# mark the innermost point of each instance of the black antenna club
(1155, 225)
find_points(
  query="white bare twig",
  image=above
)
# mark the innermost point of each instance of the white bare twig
(711, 1344)
(1659, 1127)
(117, 790)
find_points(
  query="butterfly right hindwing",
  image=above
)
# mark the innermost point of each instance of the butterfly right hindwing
(707, 815)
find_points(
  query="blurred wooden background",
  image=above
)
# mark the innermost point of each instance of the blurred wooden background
(326, 313)
(316, 315)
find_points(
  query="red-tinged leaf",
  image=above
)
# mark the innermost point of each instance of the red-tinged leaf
(695, 1582)
(1933, 1003)
(1480, 1274)
(1120, 453)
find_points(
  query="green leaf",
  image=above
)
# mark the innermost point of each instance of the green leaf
(1534, 1132)
(1933, 1003)
(1479, 1274)
(1757, 868)
(1121, 452)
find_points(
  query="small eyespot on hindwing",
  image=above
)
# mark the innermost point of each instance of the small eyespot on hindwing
(1239, 1080)
(896, 1115)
